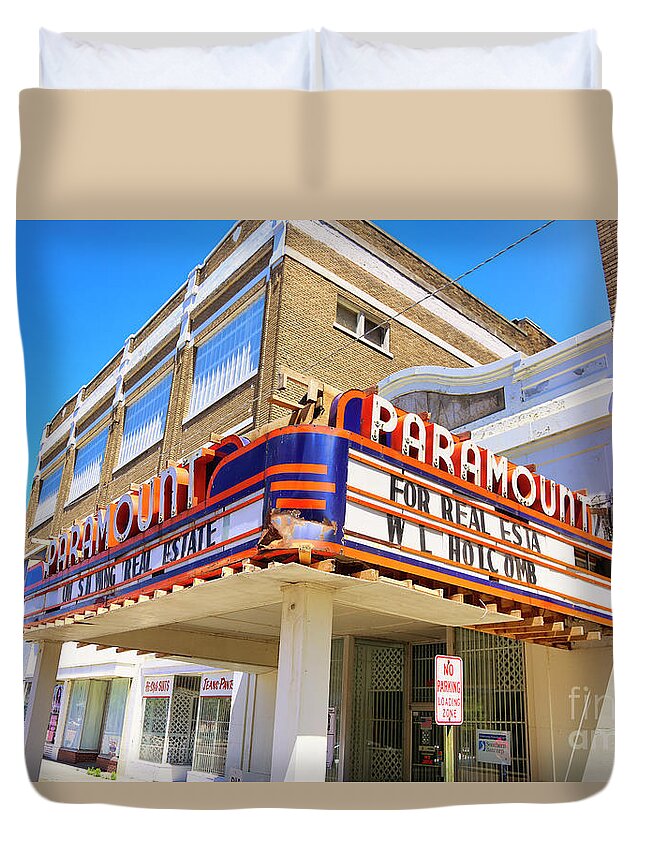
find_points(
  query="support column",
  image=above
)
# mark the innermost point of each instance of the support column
(40, 703)
(302, 696)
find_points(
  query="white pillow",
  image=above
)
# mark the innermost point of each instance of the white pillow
(565, 62)
(285, 62)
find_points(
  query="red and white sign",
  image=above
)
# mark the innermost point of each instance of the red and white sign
(157, 686)
(214, 684)
(448, 690)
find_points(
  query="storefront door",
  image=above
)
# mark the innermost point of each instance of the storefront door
(427, 739)
(376, 741)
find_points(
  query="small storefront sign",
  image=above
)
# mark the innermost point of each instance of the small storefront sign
(157, 687)
(448, 690)
(213, 684)
(494, 747)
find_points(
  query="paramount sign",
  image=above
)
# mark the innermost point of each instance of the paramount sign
(377, 486)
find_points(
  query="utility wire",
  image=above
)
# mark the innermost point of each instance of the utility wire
(449, 283)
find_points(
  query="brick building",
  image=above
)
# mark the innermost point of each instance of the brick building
(273, 301)
(277, 320)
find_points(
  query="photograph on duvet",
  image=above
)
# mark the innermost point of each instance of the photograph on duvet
(318, 500)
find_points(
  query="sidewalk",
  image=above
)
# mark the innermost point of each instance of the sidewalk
(52, 771)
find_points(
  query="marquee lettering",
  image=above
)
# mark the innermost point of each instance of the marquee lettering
(414, 436)
(174, 490)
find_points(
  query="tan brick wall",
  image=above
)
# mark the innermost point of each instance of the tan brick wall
(458, 297)
(173, 303)
(218, 418)
(236, 282)
(307, 337)
(608, 240)
(377, 289)
(227, 246)
(137, 470)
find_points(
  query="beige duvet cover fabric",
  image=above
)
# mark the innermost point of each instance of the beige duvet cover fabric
(405, 155)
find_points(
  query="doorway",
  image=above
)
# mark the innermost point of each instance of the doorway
(376, 741)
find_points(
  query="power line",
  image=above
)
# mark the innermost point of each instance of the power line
(434, 292)
(449, 283)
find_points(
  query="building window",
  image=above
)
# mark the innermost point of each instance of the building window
(371, 330)
(453, 410)
(114, 714)
(49, 487)
(211, 740)
(84, 716)
(153, 729)
(228, 358)
(145, 420)
(183, 717)
(87, 466)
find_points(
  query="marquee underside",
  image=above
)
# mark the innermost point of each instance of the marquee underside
(235, 620)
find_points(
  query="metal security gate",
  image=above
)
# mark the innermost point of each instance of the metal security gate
(335, 709)
(153, 730)
(211, 740)
(183, 717)
(494, 699)
(427, 748)
(376, 742)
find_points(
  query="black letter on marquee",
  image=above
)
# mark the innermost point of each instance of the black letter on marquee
(395, 527)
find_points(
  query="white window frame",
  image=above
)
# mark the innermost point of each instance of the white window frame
(360, 329)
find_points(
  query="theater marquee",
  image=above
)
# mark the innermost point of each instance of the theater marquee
(377, 487)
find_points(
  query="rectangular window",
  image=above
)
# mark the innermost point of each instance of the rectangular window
(347, 317)
(49, 487)
(211, 740)
(183, 717)
(228, 358)
(87, 466)
(153, 729)
(76, 714)
(145, 420)
(368, 329)
(113, 725)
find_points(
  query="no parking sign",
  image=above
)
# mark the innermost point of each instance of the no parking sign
(448, 690)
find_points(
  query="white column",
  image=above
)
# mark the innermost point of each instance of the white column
(39, 707)
(131, 729)
(302, 696)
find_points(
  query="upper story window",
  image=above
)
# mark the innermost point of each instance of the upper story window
(145, 420)
(228, 358)
(368, 328)
(87, 466)
(49, 488)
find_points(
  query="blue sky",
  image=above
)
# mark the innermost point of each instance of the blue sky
(84, 286)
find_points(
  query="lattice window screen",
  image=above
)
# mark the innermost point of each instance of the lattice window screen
(153, 730)
(183, 717)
